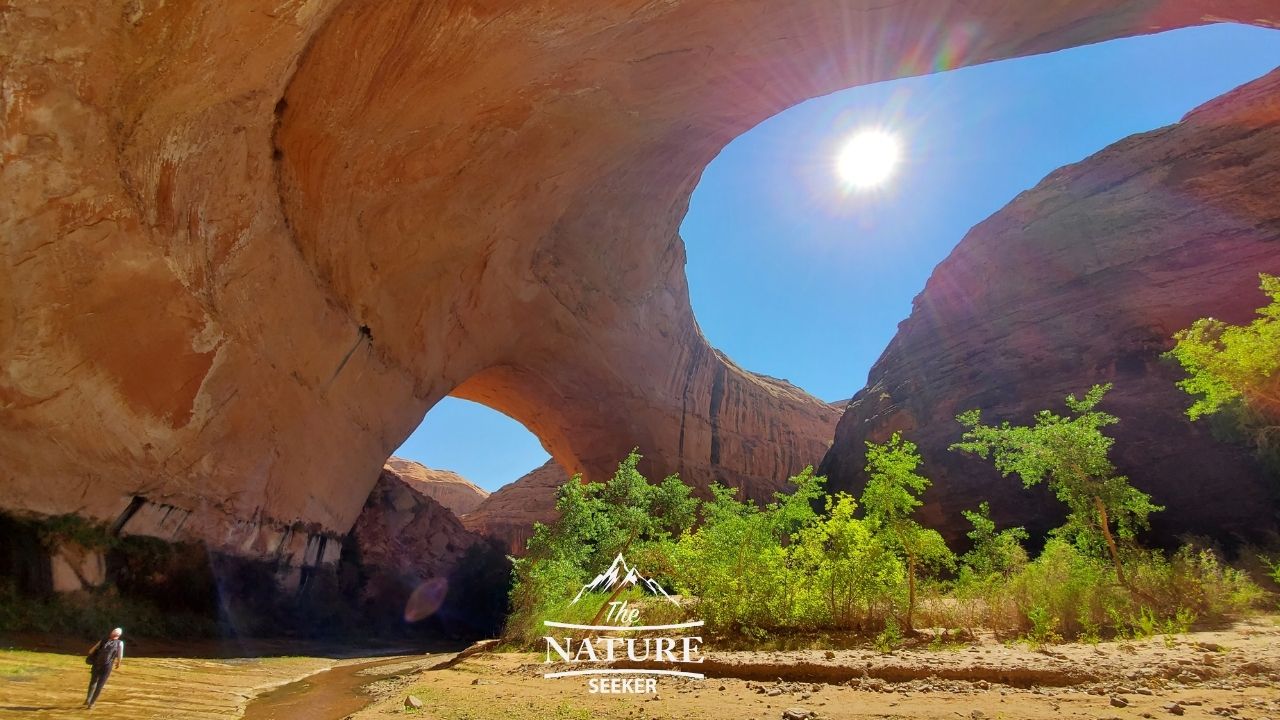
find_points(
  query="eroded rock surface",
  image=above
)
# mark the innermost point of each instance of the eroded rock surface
(404, 539)
(446, 487)
(509, 513)
(249, 247)
(1083, 280)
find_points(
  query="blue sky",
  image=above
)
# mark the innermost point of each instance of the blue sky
(795, 277)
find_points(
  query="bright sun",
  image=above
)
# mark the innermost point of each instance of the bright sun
(868, 158)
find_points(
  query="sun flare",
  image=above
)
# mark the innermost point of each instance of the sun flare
(868, 158)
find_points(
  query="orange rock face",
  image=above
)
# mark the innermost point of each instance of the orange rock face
(405, 538)
(448, 488)
(248, 247)
(508, 515)
(1083, 280)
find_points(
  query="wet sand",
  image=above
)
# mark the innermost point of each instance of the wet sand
(1227, 672)
(52, 685)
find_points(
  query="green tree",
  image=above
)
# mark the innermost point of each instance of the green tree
(596, 522)
(1236, 368)
(891, 498)
(992, 553)
(1072, 454)
(853, 571)
(737, 562)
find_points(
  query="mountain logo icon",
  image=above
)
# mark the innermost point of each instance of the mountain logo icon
(621, 574)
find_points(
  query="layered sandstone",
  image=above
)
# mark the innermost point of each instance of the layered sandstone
(1083, 280)
(404, 539)
(446, 487)
(509, 514)
(248, 247)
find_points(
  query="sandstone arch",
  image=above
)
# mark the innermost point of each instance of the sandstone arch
(207, 202)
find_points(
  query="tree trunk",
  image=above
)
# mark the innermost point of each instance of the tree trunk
(1111, 541)
(911, 593)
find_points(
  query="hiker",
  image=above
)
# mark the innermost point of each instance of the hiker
(104, 657)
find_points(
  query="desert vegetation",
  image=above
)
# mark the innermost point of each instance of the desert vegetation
(812, 563)
(1233, 374)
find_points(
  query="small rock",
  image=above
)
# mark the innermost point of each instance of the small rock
(1145, 691)
(773, 692)
(1174, 709)
(829, 655)
(411, 702)
(1119, 702)
(796, 713)
(721, 688)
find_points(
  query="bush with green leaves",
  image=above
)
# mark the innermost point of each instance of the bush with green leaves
(890, 499)
(992, 553)
(752, 571)
(1071, 452)
(737, 563)
(853, 573)
(596, 522)
(1234, 371)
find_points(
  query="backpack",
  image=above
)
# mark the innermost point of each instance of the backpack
(103, 647)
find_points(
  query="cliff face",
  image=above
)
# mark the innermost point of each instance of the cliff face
(508, 515)
(450, 489)
(248, 248)
(405, 539)
(1083, 280)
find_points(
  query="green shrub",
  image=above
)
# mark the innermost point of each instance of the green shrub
(852, 573)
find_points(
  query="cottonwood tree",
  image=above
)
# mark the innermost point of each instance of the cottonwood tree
(890, 499)
(1235, 369)
(992, 552)
(1070, 452)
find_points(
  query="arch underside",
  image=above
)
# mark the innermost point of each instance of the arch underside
(250, 250)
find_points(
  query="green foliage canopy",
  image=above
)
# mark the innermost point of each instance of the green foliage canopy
(1228, 364)
(890, 499)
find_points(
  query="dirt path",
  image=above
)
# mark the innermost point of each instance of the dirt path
(1230, 673)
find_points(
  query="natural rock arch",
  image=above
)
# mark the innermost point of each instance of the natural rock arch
(250, 249)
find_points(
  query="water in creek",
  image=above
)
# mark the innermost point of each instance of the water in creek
(327, 695)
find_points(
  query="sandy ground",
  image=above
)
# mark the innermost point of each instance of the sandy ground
(1233, 672)
(50, 685)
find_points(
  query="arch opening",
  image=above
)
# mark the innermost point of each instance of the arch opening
(485, 446)
(771, 206)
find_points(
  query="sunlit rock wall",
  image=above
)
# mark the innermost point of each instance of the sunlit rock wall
(1083, 280)
(248, 246)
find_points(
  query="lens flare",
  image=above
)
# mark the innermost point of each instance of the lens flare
(868, 158)
(426, 599)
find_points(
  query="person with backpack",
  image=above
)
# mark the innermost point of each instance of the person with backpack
(104, 657)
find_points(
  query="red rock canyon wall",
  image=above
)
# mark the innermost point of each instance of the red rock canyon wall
(247, 247)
